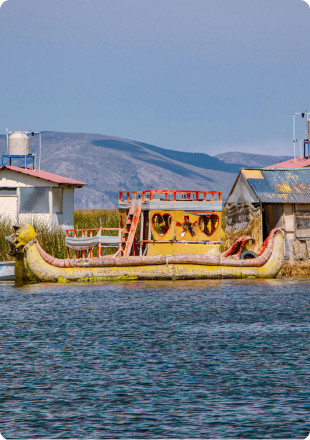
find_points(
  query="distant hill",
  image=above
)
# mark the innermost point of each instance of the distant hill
(109, 164)
(251, 160)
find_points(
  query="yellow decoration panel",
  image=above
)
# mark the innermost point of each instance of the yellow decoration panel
(190, 227)
(183, 248)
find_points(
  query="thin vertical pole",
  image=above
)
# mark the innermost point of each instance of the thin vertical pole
(7, 141)
(141, 232)
(40, 154)
(99, 245)
(91, 249)
(294, 137)
(25, 154)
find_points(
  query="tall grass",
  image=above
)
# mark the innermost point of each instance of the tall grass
(96, 218)
(53, 240)
(5, 230)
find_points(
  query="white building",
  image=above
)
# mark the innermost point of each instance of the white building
(33, 195)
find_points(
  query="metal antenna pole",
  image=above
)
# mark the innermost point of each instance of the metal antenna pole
(294, 137)
(7, 141)
(25, 153)
(40, 153)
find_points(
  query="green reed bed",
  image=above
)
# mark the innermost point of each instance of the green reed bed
(5, 231)
(52, 240)
(96, 218)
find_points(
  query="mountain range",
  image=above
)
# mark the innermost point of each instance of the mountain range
(109, 164)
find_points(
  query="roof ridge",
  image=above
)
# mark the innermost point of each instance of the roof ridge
(45, 175)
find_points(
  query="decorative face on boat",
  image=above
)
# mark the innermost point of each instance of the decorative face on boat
(22, 235)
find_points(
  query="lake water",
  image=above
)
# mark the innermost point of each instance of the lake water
(203, 359)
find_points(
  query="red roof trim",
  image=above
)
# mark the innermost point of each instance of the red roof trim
(299, 163)
(46, 176)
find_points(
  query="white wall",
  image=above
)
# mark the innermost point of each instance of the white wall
(9, 205)
(12, 178)
(68, 207)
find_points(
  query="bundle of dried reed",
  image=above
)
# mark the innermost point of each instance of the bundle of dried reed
(254, 230)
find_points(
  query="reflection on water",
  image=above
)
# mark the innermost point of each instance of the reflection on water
(199, 359)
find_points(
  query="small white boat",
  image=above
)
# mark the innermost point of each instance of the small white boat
(7, 270)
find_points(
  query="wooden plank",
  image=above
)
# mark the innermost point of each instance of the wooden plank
(141, 234)
(303, 233)
(132, 209)
(289, 220)
(133, 228)
(127, 225)
(149, 232)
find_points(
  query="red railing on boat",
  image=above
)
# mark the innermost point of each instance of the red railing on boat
(173, 195)
(89, 233)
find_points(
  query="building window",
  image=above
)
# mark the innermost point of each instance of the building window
(302, 215)
(57, 200)
(34, 200)
(8, 192)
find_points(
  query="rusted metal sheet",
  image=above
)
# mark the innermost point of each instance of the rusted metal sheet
(282, 186)
(253, 174)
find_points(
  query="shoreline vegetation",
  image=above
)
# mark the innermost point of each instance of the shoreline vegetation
(52, 240)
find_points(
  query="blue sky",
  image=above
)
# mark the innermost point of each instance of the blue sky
(193, 75)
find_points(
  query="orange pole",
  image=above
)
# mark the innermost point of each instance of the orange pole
(74, 235)
(91, 249)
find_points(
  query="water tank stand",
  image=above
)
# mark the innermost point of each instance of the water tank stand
(25, 156)
(28, 156)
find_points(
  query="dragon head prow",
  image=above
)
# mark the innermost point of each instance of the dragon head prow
(22, 235)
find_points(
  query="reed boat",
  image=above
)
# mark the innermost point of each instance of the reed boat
(162, 235)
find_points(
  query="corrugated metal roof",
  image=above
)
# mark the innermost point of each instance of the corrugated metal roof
(283, 186)
(46, 176)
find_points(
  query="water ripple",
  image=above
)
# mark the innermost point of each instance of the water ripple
(152, 360)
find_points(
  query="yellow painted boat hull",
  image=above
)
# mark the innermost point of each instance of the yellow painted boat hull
(33, 267)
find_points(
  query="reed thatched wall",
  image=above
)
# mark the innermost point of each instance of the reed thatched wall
(239, 216)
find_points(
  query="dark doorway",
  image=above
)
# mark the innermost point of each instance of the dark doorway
(272, 214)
